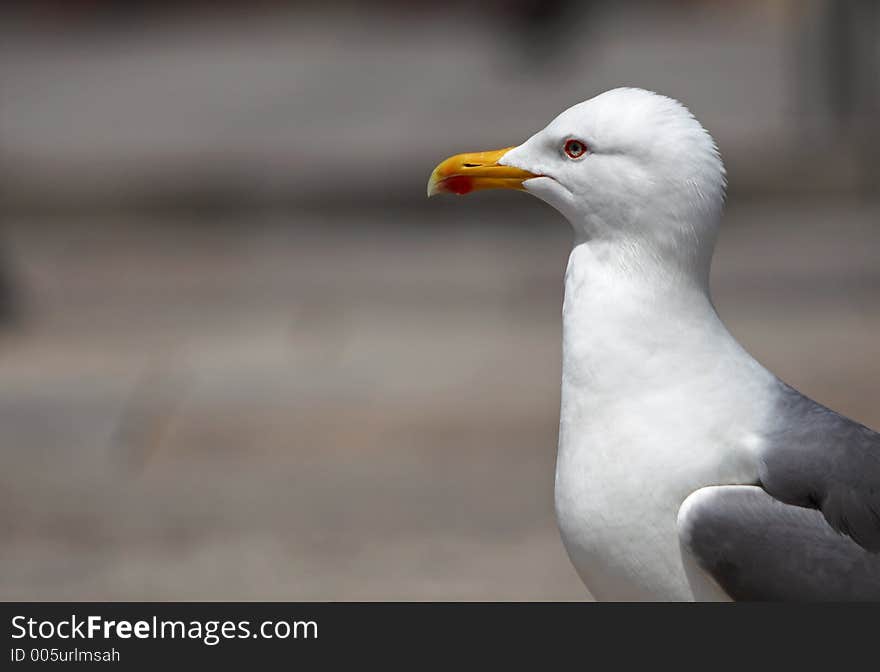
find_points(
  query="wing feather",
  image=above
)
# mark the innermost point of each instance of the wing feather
(814, 457)
(757, 548)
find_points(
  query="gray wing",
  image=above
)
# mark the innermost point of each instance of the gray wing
(757, 548)
(816, 458)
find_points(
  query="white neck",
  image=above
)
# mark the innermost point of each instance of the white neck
(629, 317)
(655, 242)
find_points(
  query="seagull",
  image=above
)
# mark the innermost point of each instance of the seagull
(685, 469)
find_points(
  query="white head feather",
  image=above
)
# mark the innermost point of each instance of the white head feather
(651, 182)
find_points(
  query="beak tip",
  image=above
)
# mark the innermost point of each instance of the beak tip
(434, 184)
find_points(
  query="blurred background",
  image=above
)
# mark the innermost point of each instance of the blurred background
(243, 357)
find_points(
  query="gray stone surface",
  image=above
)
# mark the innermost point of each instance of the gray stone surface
(324, 406)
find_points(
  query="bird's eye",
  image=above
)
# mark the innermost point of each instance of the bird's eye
(575, 149)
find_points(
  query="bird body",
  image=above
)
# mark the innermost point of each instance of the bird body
(685, 469)
(632, 443)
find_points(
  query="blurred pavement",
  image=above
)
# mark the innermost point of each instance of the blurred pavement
(323, 407)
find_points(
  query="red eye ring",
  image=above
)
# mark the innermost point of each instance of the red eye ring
(575, 149)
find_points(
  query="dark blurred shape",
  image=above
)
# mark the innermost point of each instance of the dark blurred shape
(853, 72)
(840, 65)
(10, 301)
(544, 27)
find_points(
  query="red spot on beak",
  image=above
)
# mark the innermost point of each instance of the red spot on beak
(459, 184)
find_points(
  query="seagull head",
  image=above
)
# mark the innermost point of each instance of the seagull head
(629, 166)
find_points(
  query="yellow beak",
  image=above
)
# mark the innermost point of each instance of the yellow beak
(464, 173)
